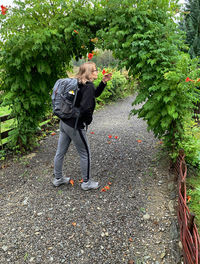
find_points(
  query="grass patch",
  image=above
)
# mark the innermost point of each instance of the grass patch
(4, 110)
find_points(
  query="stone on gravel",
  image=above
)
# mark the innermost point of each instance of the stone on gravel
(146, 217)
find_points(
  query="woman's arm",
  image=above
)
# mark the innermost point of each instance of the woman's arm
(100, 89)
(102, 84)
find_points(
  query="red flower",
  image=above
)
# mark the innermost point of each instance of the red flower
(92, 132)
(198, 80)
(110, 136)
(116, 137)
(3, 10)
(104, 72)
(76, 31)
(188, 79)
(90, 55)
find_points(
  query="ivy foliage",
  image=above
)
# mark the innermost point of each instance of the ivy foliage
(147, 42)
(39, 40)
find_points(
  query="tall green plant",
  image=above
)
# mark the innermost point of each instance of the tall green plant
(116, 88)
(39, 39)
(146, 40)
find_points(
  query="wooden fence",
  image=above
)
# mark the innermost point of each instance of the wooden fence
(188, 230)
(4, 134)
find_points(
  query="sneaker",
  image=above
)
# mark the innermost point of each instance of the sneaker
(63, 180)
(89, 185)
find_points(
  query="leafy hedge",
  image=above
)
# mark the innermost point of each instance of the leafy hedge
(41, 38)
(39, 41)
(148, 43)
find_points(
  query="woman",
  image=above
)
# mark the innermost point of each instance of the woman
(86, 103)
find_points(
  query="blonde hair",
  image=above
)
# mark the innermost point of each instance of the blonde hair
(85, 72)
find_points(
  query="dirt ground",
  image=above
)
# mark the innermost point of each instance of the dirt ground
(134, 221)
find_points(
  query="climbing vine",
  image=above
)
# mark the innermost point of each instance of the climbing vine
(148, 43)
(41, 38)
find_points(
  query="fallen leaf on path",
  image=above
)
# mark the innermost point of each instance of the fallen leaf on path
(81, 180)
(74, 224)
(139, 140)
(71, 182)
(53, 133)
(107, 187)
(130, 239)
(109, 183)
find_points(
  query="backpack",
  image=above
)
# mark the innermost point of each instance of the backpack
(64, 97)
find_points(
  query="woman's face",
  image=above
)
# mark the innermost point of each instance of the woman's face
(94, 73)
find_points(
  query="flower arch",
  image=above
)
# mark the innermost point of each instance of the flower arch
(39, 39)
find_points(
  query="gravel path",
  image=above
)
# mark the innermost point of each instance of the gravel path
(132, 222)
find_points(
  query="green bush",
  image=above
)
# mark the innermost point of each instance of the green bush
(116, 88)
(148, 43)
(38, 41)
(41, 38)
(190, 143)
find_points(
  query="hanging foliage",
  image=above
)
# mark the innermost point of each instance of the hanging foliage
(39, 39)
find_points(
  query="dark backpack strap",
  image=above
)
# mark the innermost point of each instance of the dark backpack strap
(76, 94)
(76, 123)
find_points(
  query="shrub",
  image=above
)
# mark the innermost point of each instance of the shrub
(116, 88)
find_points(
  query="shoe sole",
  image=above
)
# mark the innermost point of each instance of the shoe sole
(90, 189)
(57, 185)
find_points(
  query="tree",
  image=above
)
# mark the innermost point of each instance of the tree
(191, 25)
